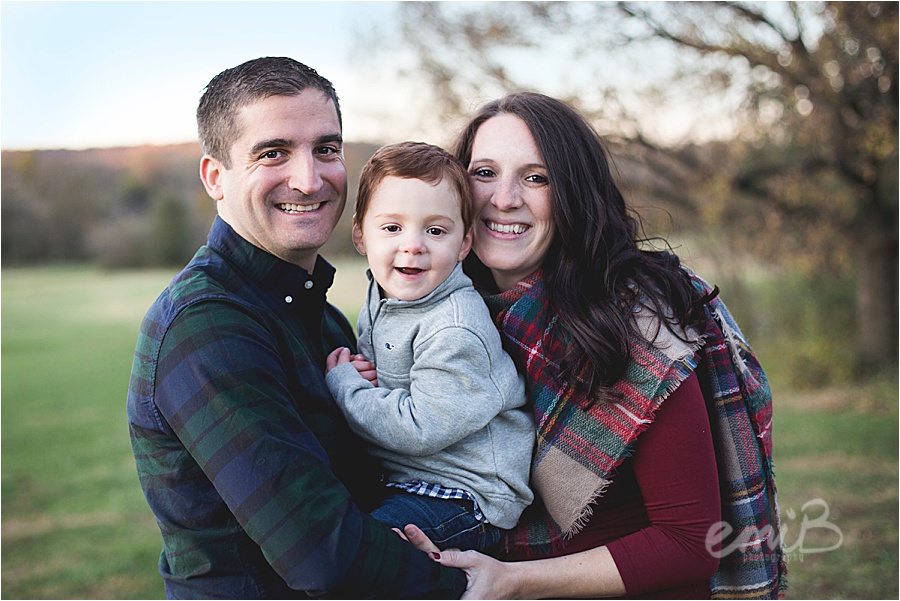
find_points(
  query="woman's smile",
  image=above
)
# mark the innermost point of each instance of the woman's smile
(506, 228)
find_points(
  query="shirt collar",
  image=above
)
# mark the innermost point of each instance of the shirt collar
(267, 270)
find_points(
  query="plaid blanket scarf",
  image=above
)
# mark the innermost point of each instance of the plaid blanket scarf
(579, 445)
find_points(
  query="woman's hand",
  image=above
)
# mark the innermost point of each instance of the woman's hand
(487, 578)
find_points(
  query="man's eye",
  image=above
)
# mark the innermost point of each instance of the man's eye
(272, 154)
(328, 150)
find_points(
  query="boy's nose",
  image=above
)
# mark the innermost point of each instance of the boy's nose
(413, 243)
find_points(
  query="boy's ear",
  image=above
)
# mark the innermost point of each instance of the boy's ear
(466, 245)
(211, 172)
(358, 238)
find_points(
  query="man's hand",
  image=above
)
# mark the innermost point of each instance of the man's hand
(342, 355)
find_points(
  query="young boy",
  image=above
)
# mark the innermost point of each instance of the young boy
(445, 413)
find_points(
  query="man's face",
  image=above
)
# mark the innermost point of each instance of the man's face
(287, 185)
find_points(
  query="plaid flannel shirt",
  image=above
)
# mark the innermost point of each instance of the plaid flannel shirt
(242, 453)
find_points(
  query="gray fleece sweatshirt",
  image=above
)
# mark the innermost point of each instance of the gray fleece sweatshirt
(449, 405)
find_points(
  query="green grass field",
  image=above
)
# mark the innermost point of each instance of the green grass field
(75, 524)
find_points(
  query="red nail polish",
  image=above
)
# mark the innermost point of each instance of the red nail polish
(435, 556)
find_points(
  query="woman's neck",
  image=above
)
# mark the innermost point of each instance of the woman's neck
(505, 282)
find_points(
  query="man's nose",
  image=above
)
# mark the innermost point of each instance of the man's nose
(304, 175)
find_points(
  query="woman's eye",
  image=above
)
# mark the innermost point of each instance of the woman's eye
(536, 178)
(483, 172)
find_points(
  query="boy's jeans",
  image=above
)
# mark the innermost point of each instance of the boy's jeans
(449, 523)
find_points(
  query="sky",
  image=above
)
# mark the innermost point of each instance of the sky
(81, 75)
(100, 74)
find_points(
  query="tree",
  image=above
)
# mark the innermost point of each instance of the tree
(170, 243)
(806, 95)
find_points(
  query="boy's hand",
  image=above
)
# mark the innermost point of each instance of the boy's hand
(365, 368)
(342, 355)
(339, 355)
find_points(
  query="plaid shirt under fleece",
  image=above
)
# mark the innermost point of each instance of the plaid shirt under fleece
(242, 453)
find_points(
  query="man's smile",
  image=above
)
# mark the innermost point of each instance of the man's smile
(295, 208)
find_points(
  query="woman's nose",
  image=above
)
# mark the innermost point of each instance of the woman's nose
(507, 195)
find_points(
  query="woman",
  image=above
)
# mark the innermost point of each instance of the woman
(639, 477)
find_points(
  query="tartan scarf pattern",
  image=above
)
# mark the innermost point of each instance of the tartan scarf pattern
(739, 402)
(579, 445)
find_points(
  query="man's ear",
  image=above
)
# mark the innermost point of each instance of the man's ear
(466, 245)
(211, 173)
(358, 238)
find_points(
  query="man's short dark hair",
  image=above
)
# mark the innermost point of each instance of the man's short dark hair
(233, 89)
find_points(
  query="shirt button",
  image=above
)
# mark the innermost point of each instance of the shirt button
(308, 284)
(288, 299)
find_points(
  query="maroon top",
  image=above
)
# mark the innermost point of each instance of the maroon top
(655, 515)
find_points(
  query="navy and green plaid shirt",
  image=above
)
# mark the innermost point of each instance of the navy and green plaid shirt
(242, 453)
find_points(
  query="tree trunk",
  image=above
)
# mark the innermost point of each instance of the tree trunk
(876, 286)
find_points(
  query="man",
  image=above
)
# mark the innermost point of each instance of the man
(242, 453)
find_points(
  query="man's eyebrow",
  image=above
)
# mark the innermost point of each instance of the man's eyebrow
(273, 143)
(285, 143)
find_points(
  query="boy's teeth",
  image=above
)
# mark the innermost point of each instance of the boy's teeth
(295, 208)
(514, 228)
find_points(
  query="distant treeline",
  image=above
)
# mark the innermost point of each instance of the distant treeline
(119, 207)
(130, 207)
(145, 207)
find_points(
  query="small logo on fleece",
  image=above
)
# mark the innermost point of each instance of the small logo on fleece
(389, 346)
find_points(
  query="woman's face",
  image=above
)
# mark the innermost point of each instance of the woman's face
(514, 226)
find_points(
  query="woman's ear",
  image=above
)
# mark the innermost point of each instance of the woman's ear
(211, 173)
(358, 238)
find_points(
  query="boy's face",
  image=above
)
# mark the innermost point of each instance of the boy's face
(413, 236)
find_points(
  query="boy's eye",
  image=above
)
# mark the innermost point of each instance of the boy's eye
(435, 231)
(392, 228)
